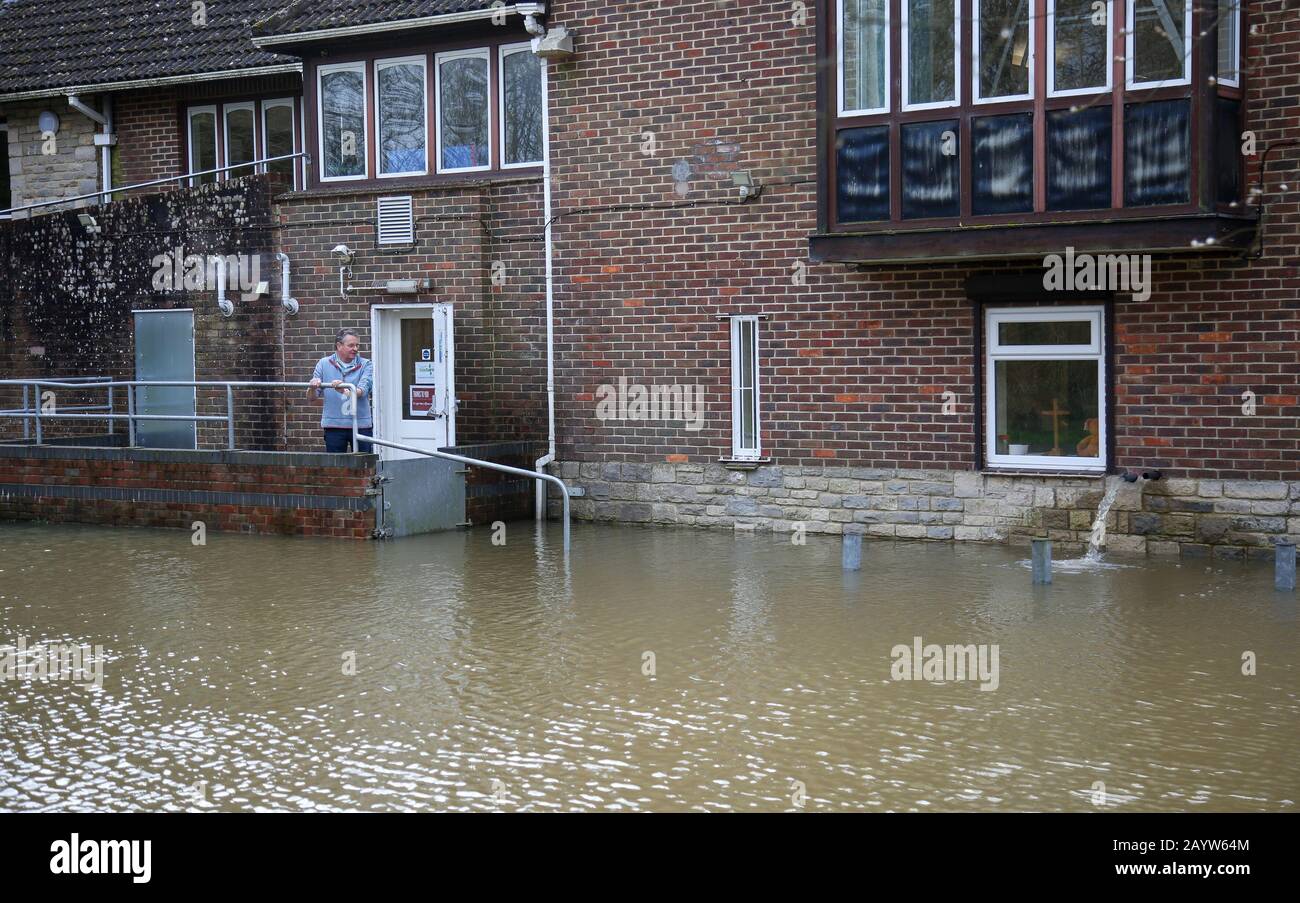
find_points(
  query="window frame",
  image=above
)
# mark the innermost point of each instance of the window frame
(190, 111)
(504, 50)
(1109, 87)
(1130, 45)
(273, 103)
(366, 110)
(840, 68)
(905, 53)
(976, 98)
(1234, 14)
(740, 452)
(423, 60)
(485, 53)
(226, 110)
(994, 351)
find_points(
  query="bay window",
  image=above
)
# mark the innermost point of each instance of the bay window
(400, 106)
(342, 115)
(233, 133)
(464, 132)
(1116, 117)
(1045, 392)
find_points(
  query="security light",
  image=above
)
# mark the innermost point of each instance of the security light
(88, 223)
(748, 188)
(343, 254)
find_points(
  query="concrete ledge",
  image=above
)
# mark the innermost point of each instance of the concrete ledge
(184, 456)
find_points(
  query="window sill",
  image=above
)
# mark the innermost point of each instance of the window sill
(1042, 472)
(743, 463)
(1035, 239)
(414, 183)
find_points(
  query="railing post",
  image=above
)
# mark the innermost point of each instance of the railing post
(27, 424)
(37, 387)
(230, 417)
(130, 416)
(112, 424)
(1041, 559)
(1284, 566)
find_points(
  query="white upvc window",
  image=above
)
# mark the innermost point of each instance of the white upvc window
(1046, 388)
(342, 110)
(746, 435)
(279, 137)
(523, 98)
(1080, 47)
(402, 132)
(1230, 43)
(464, 123)
(201, 142)
(239, 134)
(1002, 67)
(862, 56)
(1159, 43)
(931, 54)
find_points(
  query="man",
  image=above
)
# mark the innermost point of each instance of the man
(345, 365)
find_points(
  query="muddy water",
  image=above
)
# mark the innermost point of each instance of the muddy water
(487, 678)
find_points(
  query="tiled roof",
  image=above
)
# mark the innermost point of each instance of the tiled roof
(52, 44)
(300, 16)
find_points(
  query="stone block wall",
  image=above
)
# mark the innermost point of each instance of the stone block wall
(74, 166)
(1219, 518)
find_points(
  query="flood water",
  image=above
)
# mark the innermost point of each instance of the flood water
(667, 670)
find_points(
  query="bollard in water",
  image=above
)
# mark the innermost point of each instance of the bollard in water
(1042, 560)
(1284, 571)
(852, 555)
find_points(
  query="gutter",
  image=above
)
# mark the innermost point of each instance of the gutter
(152, 82)
(347, 31)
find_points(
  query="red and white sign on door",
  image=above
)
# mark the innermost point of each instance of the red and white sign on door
(422, 400)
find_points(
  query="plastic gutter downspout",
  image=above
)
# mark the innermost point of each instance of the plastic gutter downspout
(546, 459)
(105, 121)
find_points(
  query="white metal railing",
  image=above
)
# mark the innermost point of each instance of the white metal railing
(83, 381)
(37, 415)
(250, 165)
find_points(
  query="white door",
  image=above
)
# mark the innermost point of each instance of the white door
(415, 399)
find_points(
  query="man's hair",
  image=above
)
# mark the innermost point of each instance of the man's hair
(343, 334)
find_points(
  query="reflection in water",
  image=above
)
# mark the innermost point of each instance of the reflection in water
(488, 677)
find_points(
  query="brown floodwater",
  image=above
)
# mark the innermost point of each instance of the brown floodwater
(488, 678)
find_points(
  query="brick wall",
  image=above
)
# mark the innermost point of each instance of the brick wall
(246, 492)
(856, 359)
(148, 127)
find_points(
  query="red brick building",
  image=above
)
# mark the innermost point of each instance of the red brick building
(921, 268)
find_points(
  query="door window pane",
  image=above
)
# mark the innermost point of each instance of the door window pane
(402, 128)
(862, 174)
(1157, 153)
(931, 60)
(930, 169)
(1002, 164)
(521, 115)
(1004, 51)
(278, 128)
(239, 140)
(463, 105)
(1081, 54)
(1047, 408)
(203, 145)
(1079, 159)
(864, 36)
(1159, 40)
(343, 123)
(417, 338)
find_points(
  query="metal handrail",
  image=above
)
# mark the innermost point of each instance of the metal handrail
(230, 385)
(189, 175)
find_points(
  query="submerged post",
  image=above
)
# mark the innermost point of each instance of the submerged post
(1042, 560)
(851, 556)
(1284, 570)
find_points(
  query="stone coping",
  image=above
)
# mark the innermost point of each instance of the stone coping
(187, 456)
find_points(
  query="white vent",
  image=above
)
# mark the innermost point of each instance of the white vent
(396, 221)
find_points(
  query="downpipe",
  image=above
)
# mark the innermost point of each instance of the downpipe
(549, 457)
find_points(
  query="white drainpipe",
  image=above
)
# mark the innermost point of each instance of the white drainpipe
(550, 294)
(105, 121)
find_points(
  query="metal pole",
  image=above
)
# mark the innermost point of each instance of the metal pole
(37, 387)
(112, 424)
(27, 426)
(1284, 571)
(230, 417)
(851, 554)
(130, 416)
(1042, 560)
